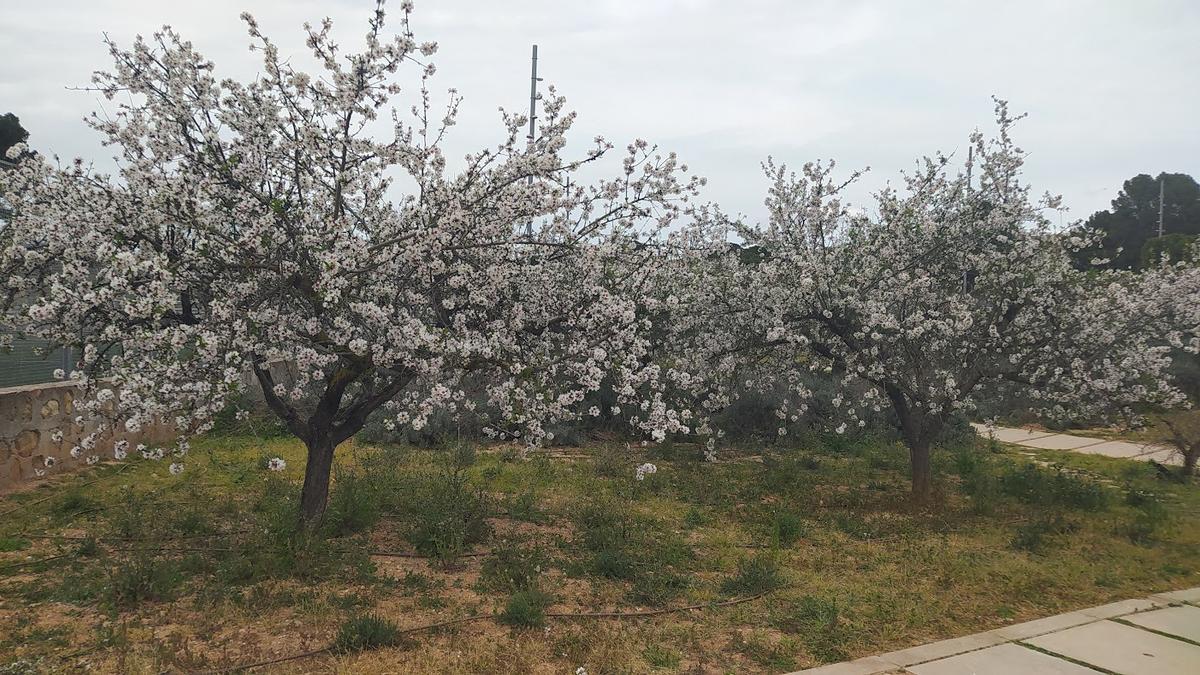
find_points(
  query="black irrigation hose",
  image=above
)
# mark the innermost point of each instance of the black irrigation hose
(639, 614)
(30, 563)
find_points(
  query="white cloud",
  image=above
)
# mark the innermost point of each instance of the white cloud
(1107, 84)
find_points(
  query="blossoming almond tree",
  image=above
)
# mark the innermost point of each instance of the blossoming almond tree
(250, 224)
(952, 290)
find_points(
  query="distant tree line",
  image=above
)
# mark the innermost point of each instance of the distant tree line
(1129, 229)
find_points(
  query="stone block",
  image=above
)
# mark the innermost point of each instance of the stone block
(50, 409)
(1007, 659)
(1181, 621)
(870, 665)
(1061, 442)
(1028, 629)
(1118, 449)
(26, 442)
(938, 650)
(1121, 608)
(1118, 648)
(1185, 595)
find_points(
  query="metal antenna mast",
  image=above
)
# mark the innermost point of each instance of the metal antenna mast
(533, 99)
(1161, 180)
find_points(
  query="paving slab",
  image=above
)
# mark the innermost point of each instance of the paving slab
(1122, 649)
(1118, 449)
(942, 649)
(1186, 595)
(1022, 631)
(1009, 435)
(870, 665)
(1181, 622)
(1061, 442)
(1161, 455)
(1122, 607)
(1004, 659)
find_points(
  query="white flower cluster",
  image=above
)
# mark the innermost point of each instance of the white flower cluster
(956, 290)
(276, 464)
(644, 470)
(250, 225)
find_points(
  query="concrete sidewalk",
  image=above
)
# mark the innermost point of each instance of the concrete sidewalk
(1049, 440)
(1156, 635)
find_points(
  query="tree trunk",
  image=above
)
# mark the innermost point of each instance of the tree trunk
(922, 471)
(918, 430)
(315, 493)
(1189, 462)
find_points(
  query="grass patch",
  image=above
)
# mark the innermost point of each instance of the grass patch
(366, 631)
(1013, 537)
(755, 575)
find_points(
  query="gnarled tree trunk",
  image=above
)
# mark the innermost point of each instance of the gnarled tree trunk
(918, 430)
(314, 495)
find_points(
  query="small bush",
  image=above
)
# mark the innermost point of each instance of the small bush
(978, 479)
(524, 506)
(1149, 517)
(1031, 484)
(818, 621)
(786, 528)
(87, 548)
(1031, 537)
(525, 609)
(275, 548)
(660, 657)
(366, 631)
(141, 579)
(511, 567)
(354, 504)
(754, 575)
(444, 513)
(10, 544)
(71, 503)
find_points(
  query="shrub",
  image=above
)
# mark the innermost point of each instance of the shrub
(623, 545)
(88, 547)
(818, 621)
(755, 575)
(1031, 484)
(1149, 517)
(9, 544)
(366, 631)
(525, 609)
(275, 548)
(524, 506)
(660, 657)
(786, 528)
(1031, 536)
(978, 478)
(141, 579)
(444, 514)
(354, 505)
(71, 503)
(511, 567)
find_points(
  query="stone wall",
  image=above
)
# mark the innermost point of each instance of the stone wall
(30, 415)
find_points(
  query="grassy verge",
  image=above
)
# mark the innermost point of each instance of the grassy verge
(153, 572)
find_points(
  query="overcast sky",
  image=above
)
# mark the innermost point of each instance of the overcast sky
(1110, 87)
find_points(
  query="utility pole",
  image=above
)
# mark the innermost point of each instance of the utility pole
(1161, 180)
(533, 98)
